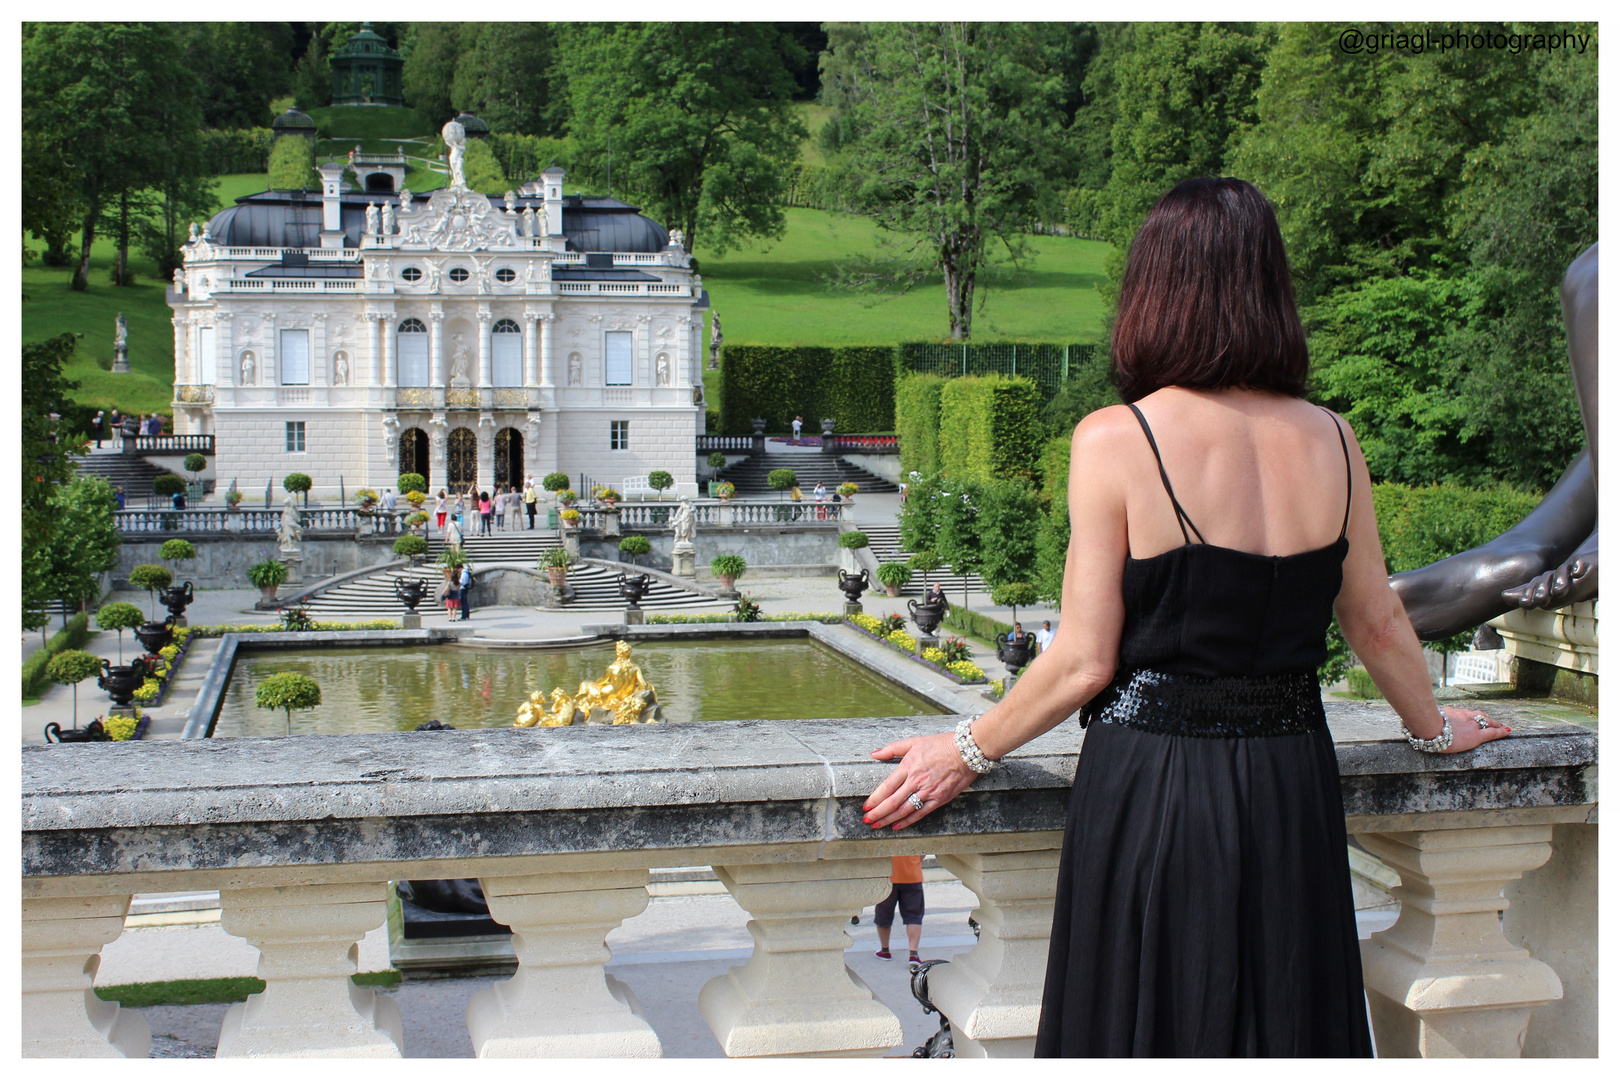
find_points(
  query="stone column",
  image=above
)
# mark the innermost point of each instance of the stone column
(795, 996)
(993, 993)
(225, 370)
(307, 936)
(548, 350)
(486, 455)
(182, 370)
(531, 350)
(378, 374)
(438, 446)
(318, 360)
(268, 357)
(1444, 981)
(484, 379)
(561, 1003)
(61, 950)
(1554, 914)
(436, 347)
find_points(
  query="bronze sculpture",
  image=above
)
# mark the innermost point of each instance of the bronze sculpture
(1550, 558)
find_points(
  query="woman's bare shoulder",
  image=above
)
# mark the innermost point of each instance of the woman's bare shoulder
(1103, 429)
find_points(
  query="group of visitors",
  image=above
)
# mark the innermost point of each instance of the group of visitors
(456, 591)
(502, 512)
(111, 427)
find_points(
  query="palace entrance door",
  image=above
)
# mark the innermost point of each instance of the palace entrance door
(461, 465)
(413, 454)
(508, 458)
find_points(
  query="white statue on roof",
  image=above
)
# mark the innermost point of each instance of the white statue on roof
(455, 138)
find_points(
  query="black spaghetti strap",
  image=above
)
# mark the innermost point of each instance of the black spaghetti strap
(1344, 530)
(1181, 515)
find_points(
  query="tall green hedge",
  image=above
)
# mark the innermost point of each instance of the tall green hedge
(1421, 525)
(853, 385)
(292, 164)
(1052, 538)
(989, 427)
(73, 635)
(243, 151)
(916, 420)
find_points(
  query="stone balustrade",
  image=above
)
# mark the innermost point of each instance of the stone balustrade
(302, 835)
(712, 514)
(345, 519)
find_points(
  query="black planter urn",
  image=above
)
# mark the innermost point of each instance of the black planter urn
(410, 592)
(631, 586)
(927, 616)
(122, 680)
(854, 584)
(759, 425)
(176, 598)
(156, 635)
(1014, 654)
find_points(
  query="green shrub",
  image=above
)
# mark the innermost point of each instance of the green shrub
(1362, 685)
(916, 421)
(557, 558)
(660, 481)
(555, 481)
(1009, 521)
(746, 610)
(897, 575)
(176, 550)
(412, 481)
(71, 667)
(1014, 594)
(71, 636)
(119, 617)
(634, 545)
(297, 483)
(287, 690)
(267, 572)
(971, 623)
(482, 169)
(853, 385)
(292, 164)
(782, 479)
(989, 428)
(194, 464)
(453, 558)
(151, 577)
(728, 565)
(919, 514)
(168, 484)
(245, 150)
(1052, 537)
(410, 546)
(717, 460)
(853, 539)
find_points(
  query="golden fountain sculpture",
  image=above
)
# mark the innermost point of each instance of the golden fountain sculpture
(622, 696)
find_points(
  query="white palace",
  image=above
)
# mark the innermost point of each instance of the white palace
(354, 336)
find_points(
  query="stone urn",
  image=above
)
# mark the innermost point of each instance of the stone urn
(827, 426)
(155, 635)
(759, 425)
(631, 587)
(927, 616)
(1014, 654)
(175, 598)
(854, 584)
(122, 680)
(410, 592)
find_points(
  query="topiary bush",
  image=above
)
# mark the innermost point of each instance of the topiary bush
(556, 481)
(852, 540)
(634, 545)
(298, 483)
(287, 690)
(194, 464)
(660, 481)
(717, 460)
(177, 549)
(167, 485)
(119, 617)
(916, 421)
(782, 479)
(989, 428)
(412, 481)
(410, 546)
(70, 668)
(151, 577)
(1014, 594)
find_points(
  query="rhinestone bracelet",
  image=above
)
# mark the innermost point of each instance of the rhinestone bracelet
(1437, 745)
(972, 756)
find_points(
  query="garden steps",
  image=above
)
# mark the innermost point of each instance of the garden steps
(885, 545)
(751, 472)
(134, 474)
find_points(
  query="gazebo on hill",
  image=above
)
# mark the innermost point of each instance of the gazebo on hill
(366, 71)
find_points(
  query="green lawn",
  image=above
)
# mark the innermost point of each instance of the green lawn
(776, 294)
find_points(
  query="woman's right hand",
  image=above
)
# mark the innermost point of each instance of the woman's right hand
(1471, 728)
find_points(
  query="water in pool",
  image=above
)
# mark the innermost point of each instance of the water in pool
(369, 690)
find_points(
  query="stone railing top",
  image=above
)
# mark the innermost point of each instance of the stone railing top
(413, 796)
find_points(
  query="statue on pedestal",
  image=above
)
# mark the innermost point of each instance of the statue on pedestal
(120, 343)
(388, 219)
(455, 140)
(291, 532)
(460, 362)
(373, 219)
(716, 339)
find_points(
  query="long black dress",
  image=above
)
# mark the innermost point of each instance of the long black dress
(1203, 898)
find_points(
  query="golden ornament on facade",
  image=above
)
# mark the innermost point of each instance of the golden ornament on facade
(622, 696)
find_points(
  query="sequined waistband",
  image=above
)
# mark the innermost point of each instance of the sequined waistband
(1221, 706)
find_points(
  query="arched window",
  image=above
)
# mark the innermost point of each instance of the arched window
(506, 350)
(413, 353)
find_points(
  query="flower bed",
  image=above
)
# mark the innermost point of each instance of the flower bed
(126, 728)
(965, 672)
(161, 672)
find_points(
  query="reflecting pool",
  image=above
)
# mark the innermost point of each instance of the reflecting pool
(395, 689)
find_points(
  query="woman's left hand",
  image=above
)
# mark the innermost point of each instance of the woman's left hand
(930, 768)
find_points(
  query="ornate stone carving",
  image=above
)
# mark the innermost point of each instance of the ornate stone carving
(388, 219)
(464, 396)
(373, 219)
(456, 219)
(531, 430)
(413, 395)
(455, 140)
(340, 368)
(391, 436)
(663, 369)
(248, 369)
(511, 395)
(576, 369)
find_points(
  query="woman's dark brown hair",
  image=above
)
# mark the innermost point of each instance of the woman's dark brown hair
(1206, 300)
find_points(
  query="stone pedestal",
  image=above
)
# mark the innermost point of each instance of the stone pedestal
(307, 938)
(61, 950)
(294, 562)
(852, 607)
(926, 641)
(410, 621)
(561, 1003)
(570, 542)
(1554, 914)
(795, 996)
(121, 710)
(684, 560)
(610, 522)
(120, 359)
(727, 514)
(1444, 981)
(634, 617)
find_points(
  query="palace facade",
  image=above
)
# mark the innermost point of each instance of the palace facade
(354, 336)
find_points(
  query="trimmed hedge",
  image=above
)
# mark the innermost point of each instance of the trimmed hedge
(292, 165)
(916, 420)
(989, 427)
(853, 385)
(1419, 526)
(72, 636)
(1052, 538)
(969, 622)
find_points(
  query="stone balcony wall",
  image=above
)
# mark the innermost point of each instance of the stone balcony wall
(562, 826)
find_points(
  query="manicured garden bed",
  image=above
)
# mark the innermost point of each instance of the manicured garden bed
(965, 672)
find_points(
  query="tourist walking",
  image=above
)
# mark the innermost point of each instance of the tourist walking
(115, 430)
(531, 498)
(452, 535)
(449, 592)
(440, 509)
(514, 509)
(1043, 636)
(98, 424)
(484, 511)
(906, 893)
(1203, 901)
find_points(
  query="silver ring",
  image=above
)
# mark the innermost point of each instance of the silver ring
(1482, 721)
(916, 803)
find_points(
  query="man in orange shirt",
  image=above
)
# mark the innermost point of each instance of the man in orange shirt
(906, 891)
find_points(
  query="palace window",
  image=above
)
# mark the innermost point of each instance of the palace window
(506, 351)
(207, 356)
(506, 275)
(459, 274)
(618, 435)
(413, 353)
(294, 357)
(411, 274)
(619, 357)
(295, 436)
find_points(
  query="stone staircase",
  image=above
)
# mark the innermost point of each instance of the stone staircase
(750, 474)
(133, 474)
(885, 543)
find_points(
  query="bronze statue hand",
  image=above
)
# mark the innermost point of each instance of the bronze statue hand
(1571, 582)
(930, 768)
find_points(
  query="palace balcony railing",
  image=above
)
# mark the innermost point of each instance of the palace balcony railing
(169, 444)
(713, 513)
(302, 836)
(707, 444)
(299, 285)
(345, 519)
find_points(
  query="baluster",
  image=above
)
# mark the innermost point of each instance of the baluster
(61, 950)
(307, 936)
(795, 995)
(1444, 981)
(993, 993)
(561, 1003)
